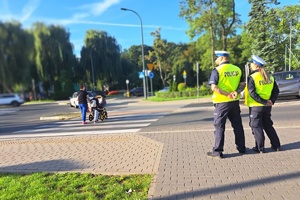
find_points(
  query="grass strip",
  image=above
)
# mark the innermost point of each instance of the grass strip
(73, 186)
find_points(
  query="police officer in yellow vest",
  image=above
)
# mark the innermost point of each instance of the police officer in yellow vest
(260, 95)
(226, 82)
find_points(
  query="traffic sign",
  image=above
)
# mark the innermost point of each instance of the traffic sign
(141, 75)
(184, 72)
(150, 66)
(151, 75)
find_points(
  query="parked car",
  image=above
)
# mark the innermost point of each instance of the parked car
(139, 91)
(12, 99)
(73, 98)
(288, 83)
(165, 89)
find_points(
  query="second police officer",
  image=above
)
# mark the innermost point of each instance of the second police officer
(227, 82)
(260, 95)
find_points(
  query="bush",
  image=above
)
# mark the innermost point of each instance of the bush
(189, 92)
(181, 87)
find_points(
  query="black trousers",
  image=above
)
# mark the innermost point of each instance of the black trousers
(260, 121)
(232, 111)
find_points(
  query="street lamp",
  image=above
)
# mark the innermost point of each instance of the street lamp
(92, 64)
(143, 60)
(290, 52)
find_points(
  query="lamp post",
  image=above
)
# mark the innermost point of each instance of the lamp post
(127, 92)
(290, 46)
(143, 60)
(92, 64)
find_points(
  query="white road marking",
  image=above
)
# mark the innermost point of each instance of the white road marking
(95, 132)
(130, 123)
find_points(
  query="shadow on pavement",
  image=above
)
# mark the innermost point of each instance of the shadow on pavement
(44, 166)
(232, 187)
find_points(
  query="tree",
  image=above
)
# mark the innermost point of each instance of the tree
(160, 54)
(102, 53)
(258, 27)
(53, 54)
(15, 49)
(286, 26)
(215, 17)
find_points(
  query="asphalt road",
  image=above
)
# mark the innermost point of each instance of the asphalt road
(167, 116)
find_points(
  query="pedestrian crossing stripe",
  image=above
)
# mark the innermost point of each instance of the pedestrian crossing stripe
(7, 111)
(94, 132)
(130, 123)
(86, 128)
(72, 124)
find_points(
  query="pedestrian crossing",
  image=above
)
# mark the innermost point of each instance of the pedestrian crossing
(130, 123)
(4, 111)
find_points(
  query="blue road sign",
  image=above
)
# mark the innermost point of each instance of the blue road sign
(151, 75)
(141, 75)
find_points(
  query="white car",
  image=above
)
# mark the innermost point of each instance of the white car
(165, 89)
(11, 99)
(73, 99)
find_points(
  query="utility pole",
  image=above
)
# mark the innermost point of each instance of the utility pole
(290, 52)
(145, 83)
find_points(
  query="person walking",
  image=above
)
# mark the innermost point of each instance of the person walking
(227, 82)
(83, 98)
(260, 95)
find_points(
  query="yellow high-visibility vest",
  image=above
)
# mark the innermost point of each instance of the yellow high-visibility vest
(262, 88)
(229, 80)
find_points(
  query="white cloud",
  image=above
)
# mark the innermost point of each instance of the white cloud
(98, 8)
(28, 9)
(95, 9)
(24, 15)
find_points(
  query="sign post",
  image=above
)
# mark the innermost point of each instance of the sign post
(151, 75)
(197, 65)
(184, 76)
(127, 93)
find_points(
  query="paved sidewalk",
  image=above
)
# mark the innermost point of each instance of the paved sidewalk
(185, 172)
(177, 159)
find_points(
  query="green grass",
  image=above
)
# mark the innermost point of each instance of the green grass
(39, 101)
(73, 186)
(157, 99)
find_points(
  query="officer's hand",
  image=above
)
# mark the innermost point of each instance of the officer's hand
(269, 103)
(234, 94)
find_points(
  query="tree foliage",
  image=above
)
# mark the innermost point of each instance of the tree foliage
(268, 29)
(101, 56)
(43, 55)
(15, 51)
(218, 18)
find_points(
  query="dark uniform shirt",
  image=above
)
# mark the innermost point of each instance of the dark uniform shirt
(256, 97)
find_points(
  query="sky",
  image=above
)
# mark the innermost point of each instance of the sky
(78, 16)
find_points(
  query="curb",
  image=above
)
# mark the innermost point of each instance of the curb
(56, 118)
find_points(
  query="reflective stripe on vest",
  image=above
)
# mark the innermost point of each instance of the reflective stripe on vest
(229, 80)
